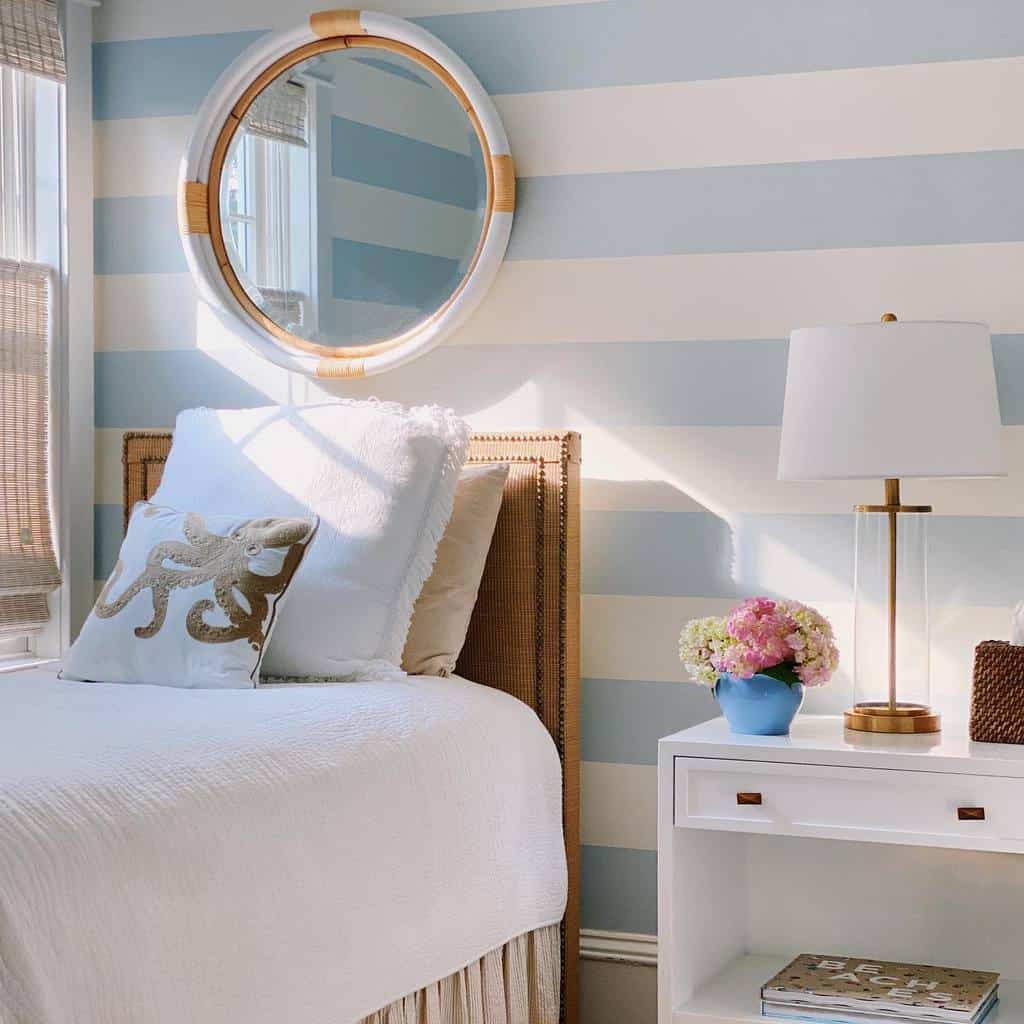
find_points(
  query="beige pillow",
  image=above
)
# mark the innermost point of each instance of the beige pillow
(440, 619)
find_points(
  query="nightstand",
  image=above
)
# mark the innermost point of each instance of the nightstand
(828, 841)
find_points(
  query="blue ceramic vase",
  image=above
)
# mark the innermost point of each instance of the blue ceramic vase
(759, 706)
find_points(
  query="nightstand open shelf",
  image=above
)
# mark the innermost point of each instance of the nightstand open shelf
(834, 843)
(732, 995)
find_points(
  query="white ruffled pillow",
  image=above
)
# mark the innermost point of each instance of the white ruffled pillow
(382, 480)
(191, 601)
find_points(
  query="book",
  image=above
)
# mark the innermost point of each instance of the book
(882, 988)
(807, 1012)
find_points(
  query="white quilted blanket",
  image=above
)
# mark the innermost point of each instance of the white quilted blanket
(292, 855)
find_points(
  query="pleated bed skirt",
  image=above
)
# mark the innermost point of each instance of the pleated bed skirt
(518, 983)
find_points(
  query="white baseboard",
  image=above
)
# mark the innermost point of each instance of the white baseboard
(620, 947)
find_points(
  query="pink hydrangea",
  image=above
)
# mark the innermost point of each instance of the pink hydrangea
(760, 634)
(815, 652)
(762, 630)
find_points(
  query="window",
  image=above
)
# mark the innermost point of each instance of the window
(31, 105)
(266, 205)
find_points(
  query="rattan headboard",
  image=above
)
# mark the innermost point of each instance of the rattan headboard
(524, 636)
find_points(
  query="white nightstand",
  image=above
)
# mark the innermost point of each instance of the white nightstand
(833, 842)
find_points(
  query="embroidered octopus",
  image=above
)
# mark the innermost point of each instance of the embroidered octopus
(224, 560)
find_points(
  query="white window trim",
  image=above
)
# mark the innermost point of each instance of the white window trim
(72, 398)
(74, 503)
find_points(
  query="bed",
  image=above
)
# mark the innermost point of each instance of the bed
(104, 795)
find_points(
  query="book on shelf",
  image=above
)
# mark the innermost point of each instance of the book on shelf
(815, 987)
(811, 1014)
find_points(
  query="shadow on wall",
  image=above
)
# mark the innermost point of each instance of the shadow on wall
(680, 496)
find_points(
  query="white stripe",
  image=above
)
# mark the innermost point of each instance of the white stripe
(619, 805)
(381, 216)
(109, 476)
(147, 19)
(747, 295)
(636, 638)
(145, 311)
(625, 637)
(362, 320)
(662, 298)
(955, 107)
(731, 471)
(960, 106)
(139, 156)
(108, 466)
(365, 93)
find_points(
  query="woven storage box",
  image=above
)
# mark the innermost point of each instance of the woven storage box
(997, 698)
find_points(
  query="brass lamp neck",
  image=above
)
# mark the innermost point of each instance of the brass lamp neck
(892, 501)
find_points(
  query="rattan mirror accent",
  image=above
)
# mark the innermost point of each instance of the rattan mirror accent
(347, 194)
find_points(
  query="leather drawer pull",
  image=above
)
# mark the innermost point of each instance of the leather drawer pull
(744, 799)
(971, 813)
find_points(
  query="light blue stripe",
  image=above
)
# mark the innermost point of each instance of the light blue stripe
(1008, 355)
(148, 389)
(160, 77)
(374, 156)
(625, 42)
(634, 42)
(621, 722)
(108, 528)
(657, 553)
(829, 204)
(619, 889)
(918, 200)
(613, 383)
(654, 384)
(973, 560)
(363, 272)
(137, 235)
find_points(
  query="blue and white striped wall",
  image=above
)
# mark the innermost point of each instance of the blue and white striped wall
(698, 177)
(398, 184)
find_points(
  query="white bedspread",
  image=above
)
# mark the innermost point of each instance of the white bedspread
(292, 855)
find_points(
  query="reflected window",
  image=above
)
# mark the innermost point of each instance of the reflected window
(267, 212)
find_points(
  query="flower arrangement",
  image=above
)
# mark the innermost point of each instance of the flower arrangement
(782, 639)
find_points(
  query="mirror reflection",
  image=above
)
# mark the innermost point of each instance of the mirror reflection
(353, 197)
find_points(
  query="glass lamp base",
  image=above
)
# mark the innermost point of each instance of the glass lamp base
(879, 716)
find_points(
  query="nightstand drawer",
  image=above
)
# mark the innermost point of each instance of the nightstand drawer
(924, 808)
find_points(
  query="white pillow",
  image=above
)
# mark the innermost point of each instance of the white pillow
(191, 600)
(382, 481)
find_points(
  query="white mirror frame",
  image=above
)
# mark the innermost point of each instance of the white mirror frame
(199, 211)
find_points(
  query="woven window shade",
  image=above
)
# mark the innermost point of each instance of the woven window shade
(30, 38)
(279, 113)
(28, 561)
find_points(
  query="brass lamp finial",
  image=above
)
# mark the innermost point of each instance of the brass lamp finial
(888, 318)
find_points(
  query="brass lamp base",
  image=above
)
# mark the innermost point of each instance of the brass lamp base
(880, 716)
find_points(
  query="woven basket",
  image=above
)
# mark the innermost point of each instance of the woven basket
(997, 698)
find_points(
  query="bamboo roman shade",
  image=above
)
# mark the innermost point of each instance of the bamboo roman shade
(279, 112)
(28, 561)
(30, 38)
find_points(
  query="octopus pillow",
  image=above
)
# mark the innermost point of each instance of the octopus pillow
(192, 599)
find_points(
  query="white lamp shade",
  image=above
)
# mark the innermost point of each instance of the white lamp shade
(906, 399)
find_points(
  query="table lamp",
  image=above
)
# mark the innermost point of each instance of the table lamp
(888, 401)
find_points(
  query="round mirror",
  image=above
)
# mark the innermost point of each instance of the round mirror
(358, 193)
